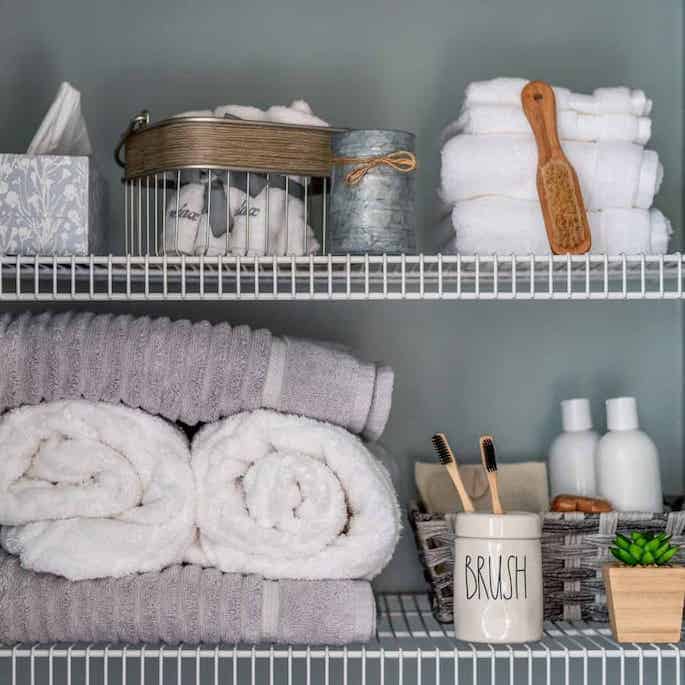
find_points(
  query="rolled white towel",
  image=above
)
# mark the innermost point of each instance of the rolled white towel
(289, 497)
(206, 241)
(183, 212)
(507, 91)
(484, 119)
(611, 174)
(90, 490)
(286, 226)
(497, 225)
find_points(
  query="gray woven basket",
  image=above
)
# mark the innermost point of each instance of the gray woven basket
(574, 548)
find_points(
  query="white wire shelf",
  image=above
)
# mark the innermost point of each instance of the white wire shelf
(410, 647)
(416, 277)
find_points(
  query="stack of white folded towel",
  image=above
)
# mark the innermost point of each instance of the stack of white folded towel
(489, 163)
(230, 217)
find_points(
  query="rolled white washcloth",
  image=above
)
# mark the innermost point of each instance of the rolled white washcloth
(611, 174)
(289, 497)
(503, 119)
(496, 225)
(507, 91)
(89, 490)
(286, 227)
(183, 212)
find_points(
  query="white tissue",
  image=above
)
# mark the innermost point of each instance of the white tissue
(63, 129)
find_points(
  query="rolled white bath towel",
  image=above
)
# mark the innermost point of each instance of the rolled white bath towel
(503, 119)
(611, 174)
(496, 225)
(507, 91)
(289, 497)
(89, 490)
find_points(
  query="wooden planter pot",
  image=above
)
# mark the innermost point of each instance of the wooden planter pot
(645, 602)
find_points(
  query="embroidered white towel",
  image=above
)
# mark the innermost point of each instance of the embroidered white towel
(289, 497)
(503, 119)
(183, 213)
(92, 490)
(507, 91)
(289, 230)
(497, 225)
(611, 174)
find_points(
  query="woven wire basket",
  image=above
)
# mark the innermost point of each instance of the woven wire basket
(210, 186)
(574, 548)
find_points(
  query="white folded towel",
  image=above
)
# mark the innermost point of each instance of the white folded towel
(611, 174)
(484, 119)
(507, 91)
(497, 225)
(89, 490)
(289, 497)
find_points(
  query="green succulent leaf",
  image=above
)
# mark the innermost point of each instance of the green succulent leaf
(622, 541)
(648, 558)
(667, 555)
(652, 545)
(623, 556)
(665, 545)
(662, 536)
(636, 552)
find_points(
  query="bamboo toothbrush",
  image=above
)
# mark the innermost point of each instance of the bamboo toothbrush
(562, 203)
(442, 447)
(487, 454)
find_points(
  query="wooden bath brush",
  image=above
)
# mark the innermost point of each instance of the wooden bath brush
(562, 203)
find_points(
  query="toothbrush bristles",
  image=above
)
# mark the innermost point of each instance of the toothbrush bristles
(442, 448)
(487, 447)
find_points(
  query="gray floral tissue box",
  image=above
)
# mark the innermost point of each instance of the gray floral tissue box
(50, 205)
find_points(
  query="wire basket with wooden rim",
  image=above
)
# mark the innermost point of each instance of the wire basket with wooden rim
(222, 186)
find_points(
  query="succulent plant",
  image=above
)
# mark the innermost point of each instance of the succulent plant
(643, 549)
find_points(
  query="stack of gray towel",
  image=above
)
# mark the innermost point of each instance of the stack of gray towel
(192, 373)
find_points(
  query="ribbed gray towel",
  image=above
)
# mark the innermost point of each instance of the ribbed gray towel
(186, 371)
(186, 604)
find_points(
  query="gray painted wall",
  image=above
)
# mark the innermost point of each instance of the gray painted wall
(461, 367)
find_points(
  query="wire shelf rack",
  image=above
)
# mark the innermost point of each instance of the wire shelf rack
(410, 647)
(365, 277)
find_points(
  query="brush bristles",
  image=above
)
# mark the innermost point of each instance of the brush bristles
(487, 449)
(442, 448)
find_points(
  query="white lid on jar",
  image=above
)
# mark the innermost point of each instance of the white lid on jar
(576, 415)
(622, 414)
(512, 526)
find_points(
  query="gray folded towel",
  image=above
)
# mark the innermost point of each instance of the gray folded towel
(187, 371)
(186, 604)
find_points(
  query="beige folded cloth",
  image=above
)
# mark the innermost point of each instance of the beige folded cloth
(522, 487)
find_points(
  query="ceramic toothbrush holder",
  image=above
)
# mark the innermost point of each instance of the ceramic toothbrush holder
(497, 577)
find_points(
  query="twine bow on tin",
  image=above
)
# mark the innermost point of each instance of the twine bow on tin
(401, 161)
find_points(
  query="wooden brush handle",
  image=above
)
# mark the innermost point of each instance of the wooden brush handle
(466, 501)
(540, 107)
(494, 492)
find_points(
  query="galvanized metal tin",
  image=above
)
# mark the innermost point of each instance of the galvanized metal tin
(378, 214)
